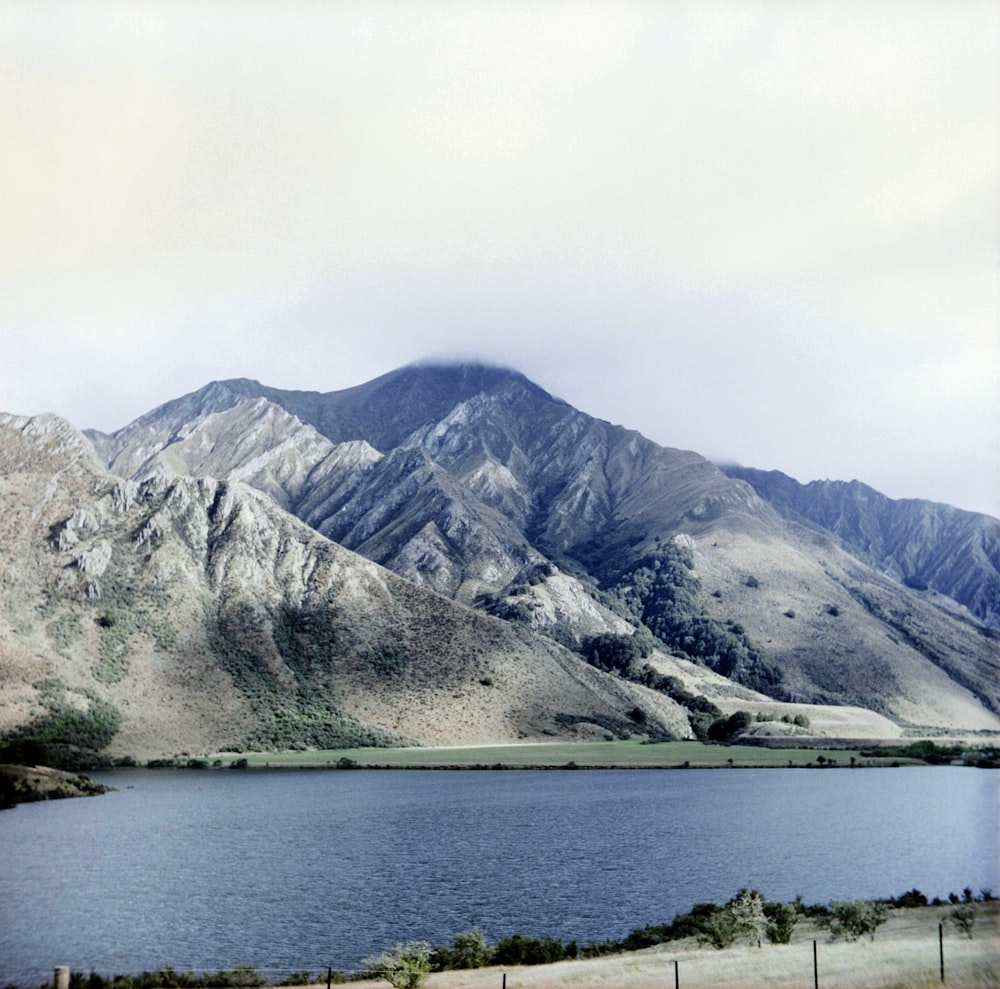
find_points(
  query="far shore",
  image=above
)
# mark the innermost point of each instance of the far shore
(569, 755)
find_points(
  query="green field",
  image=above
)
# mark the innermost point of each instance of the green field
(561, 755)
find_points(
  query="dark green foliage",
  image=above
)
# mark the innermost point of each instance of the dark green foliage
(308, 640)
(727, 727)
(25, 752)
(719, 930)
(623, 654)
(662, 593)
(468, 950)
(781, 918)
(911, 898)
(986, 757)
(241, 977)
(71, 736)
(521, 950)
(10, 794)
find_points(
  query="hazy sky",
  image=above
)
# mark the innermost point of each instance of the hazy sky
(766, 231)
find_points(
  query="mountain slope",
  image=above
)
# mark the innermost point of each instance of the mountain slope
(476, 483)
(922, 543)
(189, 615)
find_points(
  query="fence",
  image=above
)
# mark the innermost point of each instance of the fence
(682, 972)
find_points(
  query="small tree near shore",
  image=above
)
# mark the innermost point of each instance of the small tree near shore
(403, 968)
(855, 919)
(749, 920)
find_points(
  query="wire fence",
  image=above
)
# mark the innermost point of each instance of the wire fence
(253, 977)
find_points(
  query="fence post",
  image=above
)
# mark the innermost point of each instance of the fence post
(677, 975)
(941, 946)
(60, 977)
(815, 966)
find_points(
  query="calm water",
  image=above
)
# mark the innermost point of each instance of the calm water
(299, 870)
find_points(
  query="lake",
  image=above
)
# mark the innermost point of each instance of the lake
(300, 870)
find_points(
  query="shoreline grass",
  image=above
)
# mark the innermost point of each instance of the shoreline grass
(905, 954)
(563, 755)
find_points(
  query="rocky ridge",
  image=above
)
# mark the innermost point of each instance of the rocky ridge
(923, 544)
(174, 614)
(447, 554)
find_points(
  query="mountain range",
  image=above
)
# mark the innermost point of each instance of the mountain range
(449, 554)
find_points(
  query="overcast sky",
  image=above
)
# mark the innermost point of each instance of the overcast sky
(765, 231)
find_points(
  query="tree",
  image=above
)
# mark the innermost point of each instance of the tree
(470, 950)
(749, 920)
(781, 919)
(405, 967)
(718, 930)
(855, 918)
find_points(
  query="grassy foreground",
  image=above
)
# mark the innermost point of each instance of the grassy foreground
(905, 953)
(583, 755)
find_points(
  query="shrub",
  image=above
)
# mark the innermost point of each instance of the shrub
(855, 918)
(719, 930)
(781, 919)
(727, 727)
(468, 950)
(521, 950)
(405, 967)
(911, 898)
(964, 918)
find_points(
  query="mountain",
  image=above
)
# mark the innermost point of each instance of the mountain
(190, 615)
(921, 543)
(444, 554)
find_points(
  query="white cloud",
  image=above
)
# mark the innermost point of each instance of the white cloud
(765, 230)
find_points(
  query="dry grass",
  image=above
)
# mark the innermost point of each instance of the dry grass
(905, 953)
